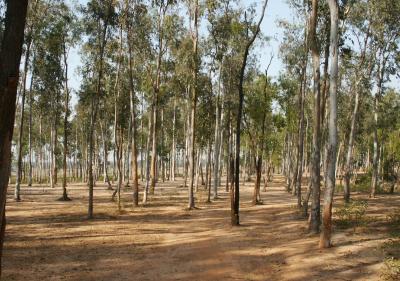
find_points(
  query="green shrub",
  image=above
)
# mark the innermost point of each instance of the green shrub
(351, 214)
(394, 217)
(391, 271)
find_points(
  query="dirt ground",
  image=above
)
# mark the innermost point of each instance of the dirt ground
(51, 240)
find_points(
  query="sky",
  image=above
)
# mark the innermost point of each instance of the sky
(276, 9)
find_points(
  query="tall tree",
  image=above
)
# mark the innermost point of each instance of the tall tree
(249, 42)
(194, 18)
(325, 239)
(10, 57)
(102, 14)
(315, 220)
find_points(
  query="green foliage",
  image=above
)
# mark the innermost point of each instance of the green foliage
(391, 272)
(351, 214)
(391, 269)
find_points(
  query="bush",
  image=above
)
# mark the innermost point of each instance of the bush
(391, 271)
(394, 218)
(351, 214)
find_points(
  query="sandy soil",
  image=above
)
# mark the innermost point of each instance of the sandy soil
(51, 240)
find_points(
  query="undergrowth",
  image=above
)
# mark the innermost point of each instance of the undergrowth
(351, 214)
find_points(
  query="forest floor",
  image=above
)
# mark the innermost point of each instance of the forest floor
(52, 240)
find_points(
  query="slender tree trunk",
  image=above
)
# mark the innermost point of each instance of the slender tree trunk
(376, 164)
(66, 115)
(134, 164)
(21, 123)
(194, 11)
(300, 147)
(134, 168)
(10, 57)
(30, 132)
(375, 157)
(173, 154)
(217, 137)
(105, 156)
(93, 115)
(315, 176)
(147, 186)
(325, 239)
(208, 172)
(349, 150)
(141, 140)
(229, 152)
(235, 190)
(257, 184)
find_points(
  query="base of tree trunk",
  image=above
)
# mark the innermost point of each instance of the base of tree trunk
(235, 220)
(64, 198)
(258, 202)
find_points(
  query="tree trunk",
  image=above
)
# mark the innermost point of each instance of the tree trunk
(66, 115)
(325, 239)
(257, 184)
(315, 176)
(235, 190)
(300, 147)
(217, 137)
(194, 12)
(134, 165)
(93, 116)
(173, 154)
(10, 57)
(376, 151)
(105, 156)
(30, 132)
(147, 186)
(21, 123)
(208, 172)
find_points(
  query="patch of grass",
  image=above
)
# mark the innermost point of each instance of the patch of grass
(393, 218)
(391, 270)
(351, 214)
(362, 184)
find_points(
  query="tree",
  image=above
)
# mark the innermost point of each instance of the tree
(385, 34)
(315, 161)
(194, 17)
(249, 42)
(10, 56)
(102, 16)
(325, 239)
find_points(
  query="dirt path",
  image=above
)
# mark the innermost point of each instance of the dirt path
(51, 240)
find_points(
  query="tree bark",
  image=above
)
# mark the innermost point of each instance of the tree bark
(10, 57)
(349, 150)
(325, 238)
(315, 176)
(21, 123)
(235, 190)
(376, 150)
(93, 115)
(194, 13)
(217, 136)
(134, 164)
(66, 115)
(173, 153)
